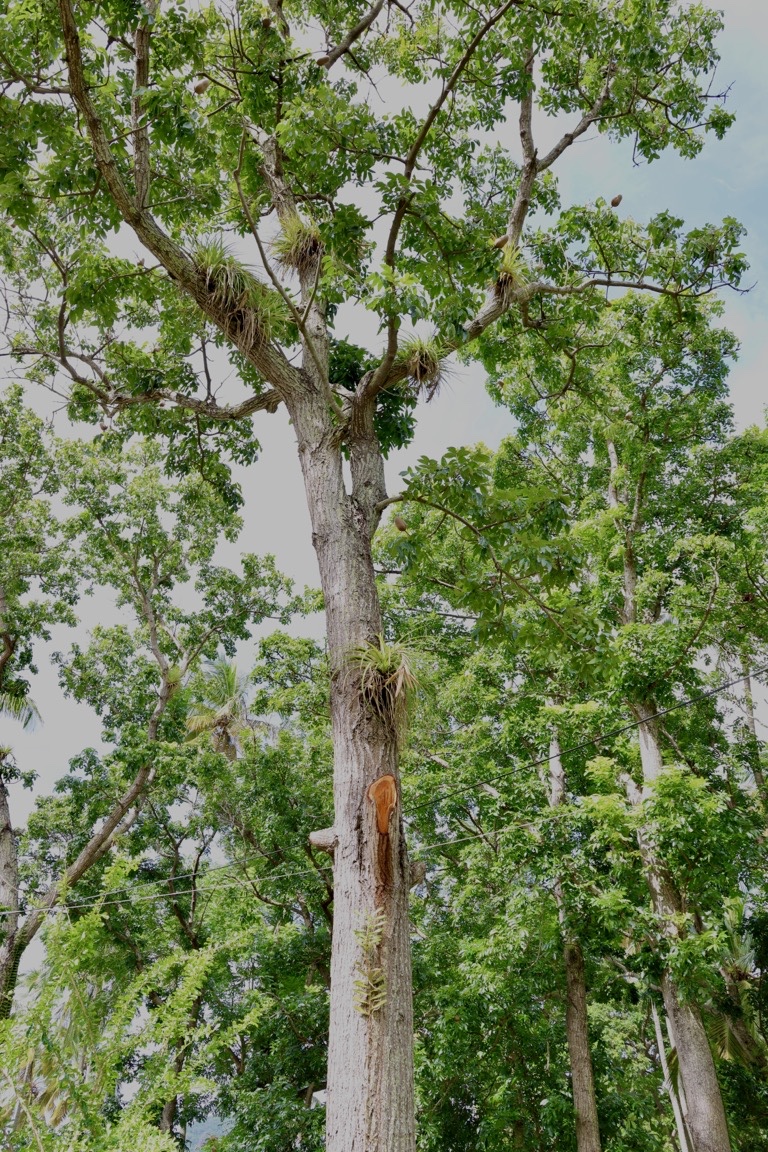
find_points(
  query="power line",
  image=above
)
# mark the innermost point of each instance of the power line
(100, 902)
(592, 740)
(178, 876)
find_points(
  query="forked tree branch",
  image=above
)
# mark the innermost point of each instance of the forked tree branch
(300, 318)
(375, 382)
(269, 360)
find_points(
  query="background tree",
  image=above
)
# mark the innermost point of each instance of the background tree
(142, 538)
(631, 461)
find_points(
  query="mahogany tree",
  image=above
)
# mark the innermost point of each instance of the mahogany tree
(222, 135)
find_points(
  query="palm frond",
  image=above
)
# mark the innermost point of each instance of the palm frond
(20, 708)
(221, 708)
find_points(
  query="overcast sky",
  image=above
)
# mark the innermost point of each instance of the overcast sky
(729, 178)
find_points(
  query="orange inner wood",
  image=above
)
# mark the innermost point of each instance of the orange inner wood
(383, 793)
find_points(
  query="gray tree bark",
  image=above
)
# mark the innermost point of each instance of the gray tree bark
(700, 1098)
(749, 707)
(9, 903)
(682, 1135)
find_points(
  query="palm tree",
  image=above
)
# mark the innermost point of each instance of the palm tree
(221, 710)
(19, 708)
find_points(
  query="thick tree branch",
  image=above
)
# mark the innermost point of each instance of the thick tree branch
(530, 167)
(311, 320)
(266, 358)
(299, 318)
(141, 173)
(113, 401)
(354, 34)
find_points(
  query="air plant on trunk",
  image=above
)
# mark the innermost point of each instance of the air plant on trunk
(388, 680)
(512, 274)
(297, 245)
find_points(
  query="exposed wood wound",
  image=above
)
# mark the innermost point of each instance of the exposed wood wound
(383, 793)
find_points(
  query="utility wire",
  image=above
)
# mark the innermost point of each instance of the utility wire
(99, 902)
(243, 882)
(464, 789)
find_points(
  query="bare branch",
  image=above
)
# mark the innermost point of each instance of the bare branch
(586, 121)
(354, 34)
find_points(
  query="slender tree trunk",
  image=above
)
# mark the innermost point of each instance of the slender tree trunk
(116, 824)
(9, 904)
(370, 1059)
(576, 1020)
(700, 1097)
(582, 1074)
(170, 1110)
(749, 706)
(682, 1135)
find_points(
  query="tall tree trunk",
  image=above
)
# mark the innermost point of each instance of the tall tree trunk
(700, 1097)
(370, 1065)
(576, 1020)
(9, 904)
(370, 1059)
